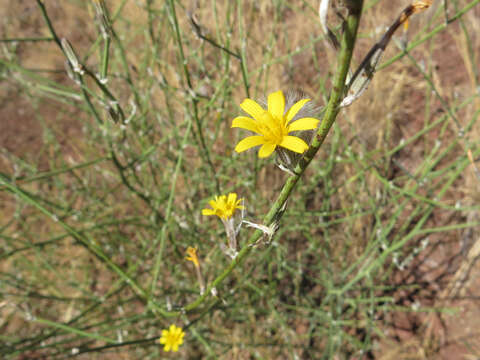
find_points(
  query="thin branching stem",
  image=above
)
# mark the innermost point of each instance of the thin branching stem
(344, 59)
(191, 90)
(431, 34)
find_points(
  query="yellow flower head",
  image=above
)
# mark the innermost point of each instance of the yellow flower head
(192, 256)
(224, 207)
(273, 125)
(172, 338)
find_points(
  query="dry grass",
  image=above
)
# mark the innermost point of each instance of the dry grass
(276, 306)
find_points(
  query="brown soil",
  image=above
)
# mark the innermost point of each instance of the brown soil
(450, 275)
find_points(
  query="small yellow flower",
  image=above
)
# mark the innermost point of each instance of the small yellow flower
(224, 207)
(192, 256)
(172, 338)
(273, 125)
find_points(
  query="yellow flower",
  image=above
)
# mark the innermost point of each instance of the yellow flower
(224, 207)
(172, 338)
(192, 256)
(273, 125)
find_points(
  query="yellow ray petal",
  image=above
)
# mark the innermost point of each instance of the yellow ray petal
(294, 143)
(245, 123)
(295, 109)
(249, 142)
(266, 150)
(252, 108)
(232, 197)
(208, 212)
(276, 104)
(303, 124)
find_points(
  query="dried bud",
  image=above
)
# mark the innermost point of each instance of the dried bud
(71, 56)
(102, 17)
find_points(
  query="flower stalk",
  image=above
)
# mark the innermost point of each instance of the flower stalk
(192, 256)
(346, 50)
(225, 207)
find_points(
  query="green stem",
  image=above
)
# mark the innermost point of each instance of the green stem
(49, 23)
(163, 233)
(32, 39)
(90, 244)
(344, 59)
(186, 71)
(331, 112)
(432, 33)
(105, 58)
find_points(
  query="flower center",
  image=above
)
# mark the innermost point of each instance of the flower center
(173, 338)
(271, 128)
(229, 210)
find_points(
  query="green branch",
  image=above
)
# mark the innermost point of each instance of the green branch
(332, 109)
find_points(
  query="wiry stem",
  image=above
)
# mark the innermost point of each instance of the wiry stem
(332, 109)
